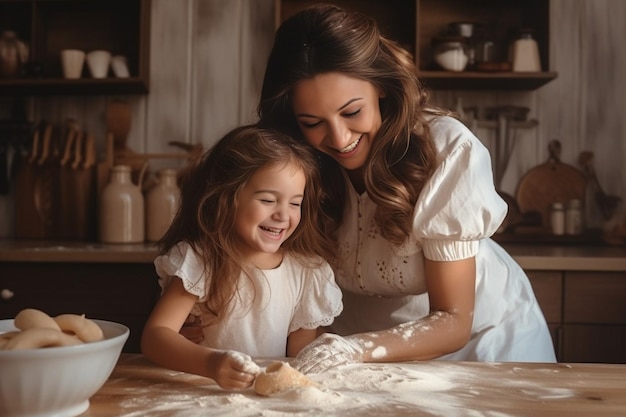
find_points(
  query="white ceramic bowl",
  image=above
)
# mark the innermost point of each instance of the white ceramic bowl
(57, 381)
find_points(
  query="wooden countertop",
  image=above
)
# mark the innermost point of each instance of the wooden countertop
(432, 388)
(61, 251)
(568, 257)
(529, 256)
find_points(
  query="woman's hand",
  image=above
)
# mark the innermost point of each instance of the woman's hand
(328, 351)
(232, 370)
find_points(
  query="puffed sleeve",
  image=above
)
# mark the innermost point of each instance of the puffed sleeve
(459, 205)
(320, 300)
(183, 263)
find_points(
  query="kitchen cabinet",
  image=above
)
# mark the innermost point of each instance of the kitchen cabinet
(119, 292)
(548, 288)
(415, 23)
(121, 27)
(586, 313)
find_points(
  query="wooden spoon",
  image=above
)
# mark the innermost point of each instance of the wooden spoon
(118, 121)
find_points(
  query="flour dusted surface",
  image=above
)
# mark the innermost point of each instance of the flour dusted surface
(419, 389)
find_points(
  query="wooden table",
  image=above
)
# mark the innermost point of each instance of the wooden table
(434, 388)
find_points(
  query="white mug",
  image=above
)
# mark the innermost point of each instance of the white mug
(98, 63)
(72, 61)
(119, 66)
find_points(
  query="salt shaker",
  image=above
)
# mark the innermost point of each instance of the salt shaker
(574, 217)
(161, 204)
(557, 219)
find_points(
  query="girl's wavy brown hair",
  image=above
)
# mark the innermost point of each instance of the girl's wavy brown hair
(325, 38)
(209, 195)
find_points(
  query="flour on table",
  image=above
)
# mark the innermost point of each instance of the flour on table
(357, 390)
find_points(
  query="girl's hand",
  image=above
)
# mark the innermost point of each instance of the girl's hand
(328, 351)
(232, 370)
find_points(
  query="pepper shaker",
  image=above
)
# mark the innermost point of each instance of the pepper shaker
(574, 217)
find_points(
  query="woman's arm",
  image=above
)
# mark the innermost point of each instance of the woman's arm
(451, 288)
(162, 343)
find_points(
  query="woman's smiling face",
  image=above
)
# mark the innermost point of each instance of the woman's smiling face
(338, 115)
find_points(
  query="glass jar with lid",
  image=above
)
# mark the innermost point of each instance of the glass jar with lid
(13, 54)
(450, 53)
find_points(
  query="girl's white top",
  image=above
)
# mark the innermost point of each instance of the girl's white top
(456, 213)
(267, 306)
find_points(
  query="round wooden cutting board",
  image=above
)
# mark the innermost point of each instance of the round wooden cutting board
(548, 183)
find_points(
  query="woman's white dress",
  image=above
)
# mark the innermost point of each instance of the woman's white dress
(267, 307)
(455, 215)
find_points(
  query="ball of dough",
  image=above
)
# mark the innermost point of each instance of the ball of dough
(5, 337)
(85, 329)
(279, 376)
(38, 337)
(30, 318)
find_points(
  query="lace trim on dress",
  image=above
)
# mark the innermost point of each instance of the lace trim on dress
(326, 321)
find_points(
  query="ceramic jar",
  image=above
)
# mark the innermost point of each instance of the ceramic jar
(13, 54)
(162, 203)
(524, 53)
(450, 53)
(121, 209)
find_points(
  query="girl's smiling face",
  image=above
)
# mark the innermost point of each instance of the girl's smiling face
(268, 212)
(338, 115)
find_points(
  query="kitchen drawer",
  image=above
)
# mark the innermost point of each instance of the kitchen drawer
(595, 297)
(548, 287)
(124, 293)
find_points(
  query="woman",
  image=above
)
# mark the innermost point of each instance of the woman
(410, 201)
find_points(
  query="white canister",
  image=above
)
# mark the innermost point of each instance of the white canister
(121, 209)
(525, 53)
(162, 203)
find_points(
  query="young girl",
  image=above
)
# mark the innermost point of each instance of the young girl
(244, 253)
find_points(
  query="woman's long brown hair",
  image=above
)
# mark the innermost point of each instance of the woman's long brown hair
(326, 38)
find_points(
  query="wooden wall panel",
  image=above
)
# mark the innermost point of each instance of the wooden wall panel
(167, 106)
(208, 58)
(604, 90)
(561, 104)
(257, 36)
(216, 66)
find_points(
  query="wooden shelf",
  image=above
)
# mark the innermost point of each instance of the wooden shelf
(121, 27)
(82, 86)
(415, 23)
(447, 80)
